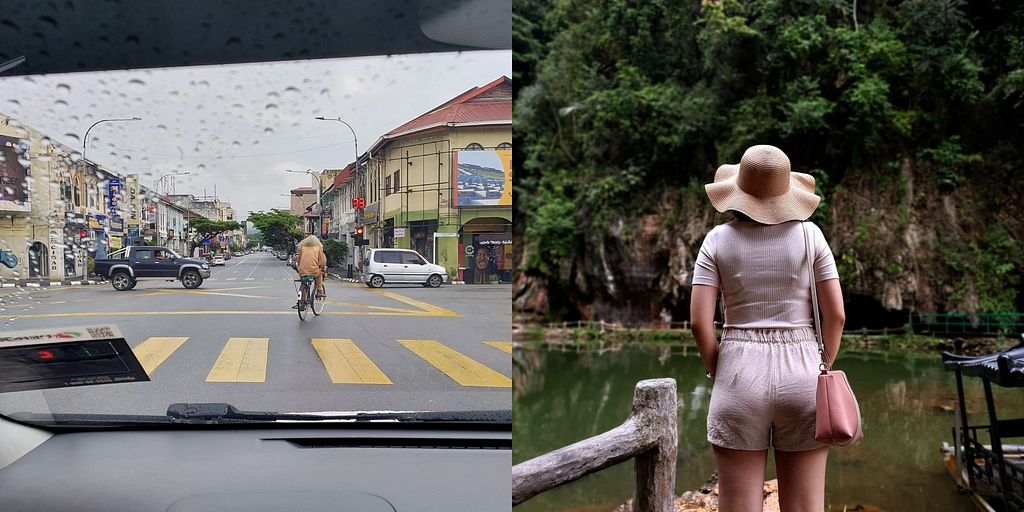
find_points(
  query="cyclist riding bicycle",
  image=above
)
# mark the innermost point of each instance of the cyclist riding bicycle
(312, 262)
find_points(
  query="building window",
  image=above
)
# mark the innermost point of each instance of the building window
(505, 145)
(398, 180)
(474, 147)
(78, 192)
(92, 197)
(387, 186)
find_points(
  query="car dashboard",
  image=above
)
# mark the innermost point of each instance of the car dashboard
(371, 468)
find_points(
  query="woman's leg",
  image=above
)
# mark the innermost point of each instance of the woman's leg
(740, 479)
(801, 479)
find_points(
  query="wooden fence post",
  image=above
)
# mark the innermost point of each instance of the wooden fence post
(650, 434)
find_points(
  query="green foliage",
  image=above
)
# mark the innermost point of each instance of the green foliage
(619, 100)
(252, 244)
(336, 252)
(951, 163)
(987, 267)
(278, 228)
(200, 229)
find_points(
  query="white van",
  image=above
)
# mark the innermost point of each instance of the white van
(395, 266)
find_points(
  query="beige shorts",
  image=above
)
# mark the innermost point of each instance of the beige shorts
(764, 391)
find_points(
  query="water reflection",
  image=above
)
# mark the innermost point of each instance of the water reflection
(564, 396)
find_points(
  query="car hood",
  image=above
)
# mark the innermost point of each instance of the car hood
(186, 261)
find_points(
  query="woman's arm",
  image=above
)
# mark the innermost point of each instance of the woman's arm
(703, 299)
(833, 314)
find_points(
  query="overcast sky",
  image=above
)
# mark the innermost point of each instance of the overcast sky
(238, 127)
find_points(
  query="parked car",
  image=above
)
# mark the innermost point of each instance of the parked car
(125, 267)
(282, 256)
(218, 260)
(388, 266)
(227, 256)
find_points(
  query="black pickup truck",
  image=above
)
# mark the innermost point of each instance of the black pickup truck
(125, 267)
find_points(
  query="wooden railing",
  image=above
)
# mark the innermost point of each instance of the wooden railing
(649, 435)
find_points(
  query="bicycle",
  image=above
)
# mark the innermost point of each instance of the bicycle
(305, 286)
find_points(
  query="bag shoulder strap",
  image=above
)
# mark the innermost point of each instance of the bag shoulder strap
(814, 298)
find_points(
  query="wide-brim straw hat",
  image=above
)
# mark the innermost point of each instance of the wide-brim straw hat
(762, 187)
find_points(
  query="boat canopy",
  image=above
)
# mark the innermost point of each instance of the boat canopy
(1004, 368)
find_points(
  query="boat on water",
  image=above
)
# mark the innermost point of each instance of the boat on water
(993, 473)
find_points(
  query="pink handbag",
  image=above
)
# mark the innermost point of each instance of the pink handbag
(838, 420)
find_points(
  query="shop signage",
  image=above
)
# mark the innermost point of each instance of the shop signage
(114, 196)
(494, 240)
(115, 242)
(96, 222)
(133, 231)
(446, 235)
(14, 191)
(483, 178)
(170, 233)
(56, 254)
(470, 250)
(134, 210)
(116, 225)
(399, 232)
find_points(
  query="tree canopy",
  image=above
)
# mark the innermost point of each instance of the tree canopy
(620, 100)
(200, 229)
(278, 228)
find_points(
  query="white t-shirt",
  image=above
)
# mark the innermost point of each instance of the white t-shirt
(762, 272)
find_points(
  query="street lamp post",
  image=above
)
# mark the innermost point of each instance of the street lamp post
(161, 180)
(355, 141)
(86, 138)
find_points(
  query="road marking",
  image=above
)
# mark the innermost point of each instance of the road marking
(460, 368)
(436, 311)
(211, 278)
(333, 303)
(231, 279)
(346, 364)
(504, 346)
(250, 279)
(258, 260)
(58, 301)
(242, 360)
(154, 351)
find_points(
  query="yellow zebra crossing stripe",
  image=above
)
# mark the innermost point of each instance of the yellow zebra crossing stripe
(459, 367)
(250, 279)
(504, 346)
(211, 278)
(242, 360)
(231, 279)
(155, 350)
(346, 364)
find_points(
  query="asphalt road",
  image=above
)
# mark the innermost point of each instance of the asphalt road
(237, 340)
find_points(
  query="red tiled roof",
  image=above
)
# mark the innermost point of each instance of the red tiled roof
(461, 109)
(343, 175)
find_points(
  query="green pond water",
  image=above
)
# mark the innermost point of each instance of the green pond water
(564, 396)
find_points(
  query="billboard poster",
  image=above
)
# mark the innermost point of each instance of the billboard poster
(133, 197)
(116, 225)
(14, 192)
(483, 178)
(114, 197)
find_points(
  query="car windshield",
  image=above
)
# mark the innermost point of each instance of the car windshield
(252, 160)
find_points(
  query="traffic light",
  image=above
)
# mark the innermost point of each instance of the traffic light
(83, 234)
(359, 232)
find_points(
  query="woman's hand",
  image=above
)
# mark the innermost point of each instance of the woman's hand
(703, 299)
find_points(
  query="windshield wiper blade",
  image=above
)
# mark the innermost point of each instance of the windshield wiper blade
(222, 411)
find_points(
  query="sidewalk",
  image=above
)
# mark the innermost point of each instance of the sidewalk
(45, 282)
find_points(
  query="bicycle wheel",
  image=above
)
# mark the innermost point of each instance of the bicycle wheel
(303, 304)
(318, 305)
